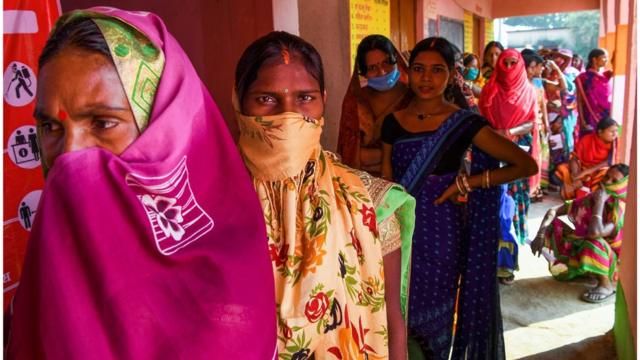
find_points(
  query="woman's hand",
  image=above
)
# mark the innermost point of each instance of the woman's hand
(538, 242)
(577, 184)
(450, 194)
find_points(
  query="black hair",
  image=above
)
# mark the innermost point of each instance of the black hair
(437, 44)
(527, 51)
(374, 42)
(490, 44)
(81, 33)
(578, 57)
(623, 168)
(594, 54)
(271, 47)
(469, 58)
(606, 123)
(450, 54)
(531, 57)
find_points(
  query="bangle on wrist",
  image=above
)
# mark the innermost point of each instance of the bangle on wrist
(460, 190)
(465, 183)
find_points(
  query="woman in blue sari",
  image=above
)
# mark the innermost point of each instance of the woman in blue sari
(454, 245)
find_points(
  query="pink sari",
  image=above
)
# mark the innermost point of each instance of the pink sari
(594, 92)
(160, 252)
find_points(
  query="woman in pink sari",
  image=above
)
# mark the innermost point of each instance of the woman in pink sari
(509, 102)
(136, 251)
(594, 92)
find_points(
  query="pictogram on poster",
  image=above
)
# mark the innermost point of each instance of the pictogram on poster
(26, 26)
(23, 147)
(19, 84)
(28, 208)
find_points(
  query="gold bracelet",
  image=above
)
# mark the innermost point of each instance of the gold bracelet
(460, 190)
(465, 182)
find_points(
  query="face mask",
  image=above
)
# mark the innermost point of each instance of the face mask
(537, 82)
(385, 82)
(279, 146)
(471, 74)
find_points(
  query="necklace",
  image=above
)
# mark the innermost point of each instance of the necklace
(423, 116)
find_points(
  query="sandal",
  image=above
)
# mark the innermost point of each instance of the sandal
(509, 280)
(597, 295)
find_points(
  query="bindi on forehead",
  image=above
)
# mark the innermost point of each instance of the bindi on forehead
(62, 115)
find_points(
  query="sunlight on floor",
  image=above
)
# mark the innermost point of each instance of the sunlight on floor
(541, 314)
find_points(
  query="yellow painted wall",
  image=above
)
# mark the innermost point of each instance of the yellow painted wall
(468, 32)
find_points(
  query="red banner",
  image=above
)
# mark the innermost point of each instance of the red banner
(26, 27)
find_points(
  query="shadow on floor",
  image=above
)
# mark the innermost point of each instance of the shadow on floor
(540, 299)
(593, 348)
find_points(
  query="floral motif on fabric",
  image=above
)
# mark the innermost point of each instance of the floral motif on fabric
(327, 260)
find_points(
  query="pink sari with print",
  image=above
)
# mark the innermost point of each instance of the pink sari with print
(159, 253)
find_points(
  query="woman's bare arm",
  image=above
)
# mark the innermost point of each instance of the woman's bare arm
(597, 226)
(521, 129)
(520, 164)
(387, 172)
(395, 322)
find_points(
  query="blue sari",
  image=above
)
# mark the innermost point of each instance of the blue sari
(454, 250)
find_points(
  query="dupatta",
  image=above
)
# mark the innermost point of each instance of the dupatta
(146, 254)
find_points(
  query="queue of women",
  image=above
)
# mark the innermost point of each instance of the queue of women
(275, 248)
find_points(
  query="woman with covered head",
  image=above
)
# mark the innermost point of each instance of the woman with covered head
(593, 155)
(137, 252)
(454, 244)
(339, 239)
(592, 245)
(364, 107)
(594, 92)
(509, 102)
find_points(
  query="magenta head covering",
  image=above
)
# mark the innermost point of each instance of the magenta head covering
(159, 253)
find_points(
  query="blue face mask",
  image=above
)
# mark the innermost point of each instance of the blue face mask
(471, 74)
(385, 82)
(537, 82)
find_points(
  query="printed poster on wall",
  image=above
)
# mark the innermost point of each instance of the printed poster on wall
(26, 27)
(367, 17)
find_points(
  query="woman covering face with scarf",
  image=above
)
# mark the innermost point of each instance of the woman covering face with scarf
(339, 239)
(592, 245)
(508, 101)
(138, 251)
